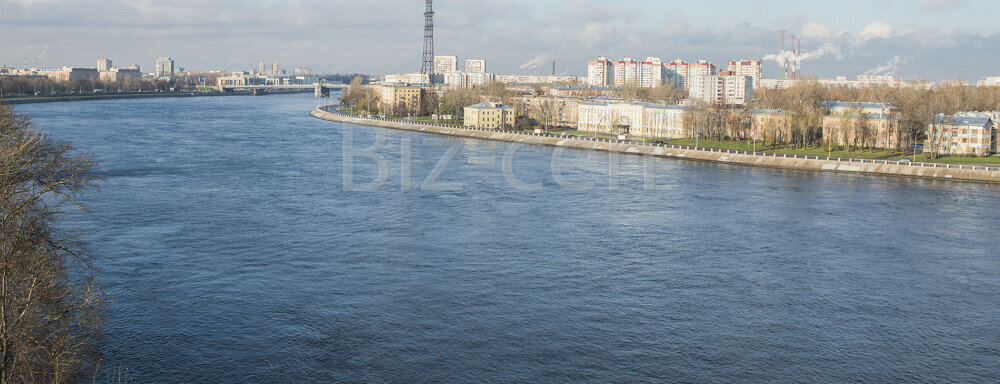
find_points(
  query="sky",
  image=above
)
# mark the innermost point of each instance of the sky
(926, 39)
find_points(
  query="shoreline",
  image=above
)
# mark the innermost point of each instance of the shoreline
(111, 96)
(935, 171)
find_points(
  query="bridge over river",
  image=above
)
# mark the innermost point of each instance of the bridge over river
(320, 89)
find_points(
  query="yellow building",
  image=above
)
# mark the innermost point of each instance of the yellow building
(120, 74)
(400, 99)
(961, 135)
(489, 116)
(871, 125)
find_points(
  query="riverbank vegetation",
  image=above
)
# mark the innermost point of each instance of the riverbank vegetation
(50, 304)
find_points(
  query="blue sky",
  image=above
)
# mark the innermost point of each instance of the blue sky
(933, 39)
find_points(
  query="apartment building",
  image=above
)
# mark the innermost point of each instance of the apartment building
(625, 72)
(725, 88)
(678, 72)
(399, 99)
(466, 80)
(762, 124)
(407, 78)
(104, 65)
(582, 91)
(629, 118)
(537, 79)
(551, 110)
(74, 73)
(489, 116)
(445, 64)
(120, 74)
(747, 67)
(968, 134)
(600, 72)
(164, 67)
(475, 66)
(871, 125)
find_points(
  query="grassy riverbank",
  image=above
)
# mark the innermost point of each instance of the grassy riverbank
(989, 160)
(749, 146)
(860, 154)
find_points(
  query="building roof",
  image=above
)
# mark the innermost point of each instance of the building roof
(769, 112)
(962, 120)
(852, 105)
(489, 106)
(633, 103)
(583, 87)
(869, 115)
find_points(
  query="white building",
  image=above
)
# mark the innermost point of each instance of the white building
(678, 72)
(990, 81)
(407, 78)
(600, 73)
(74, 73)
(164, 67)
(121, 74)
(537, 79)
(625, 72)
(635, 119)
(475, 66)
(465, 80)
(747, 67)
(104, 65)
(723, 89)
(652, 73)
(445, 64)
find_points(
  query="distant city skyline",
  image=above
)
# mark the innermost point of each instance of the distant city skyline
(932, 39)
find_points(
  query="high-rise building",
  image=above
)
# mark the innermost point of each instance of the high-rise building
(274, 68)
(104, 65)
(652, 72)
(600, 72)
(745, 67)
(726, 88)
(626, 72)
(260, 68)
(678, 72)
(475, 66)
(445, 64)
(164, 67)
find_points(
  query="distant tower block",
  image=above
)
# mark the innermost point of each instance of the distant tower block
(428, 62)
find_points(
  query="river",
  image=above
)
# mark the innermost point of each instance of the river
(236, 251)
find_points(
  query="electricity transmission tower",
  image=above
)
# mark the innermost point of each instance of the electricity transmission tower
(428, 63)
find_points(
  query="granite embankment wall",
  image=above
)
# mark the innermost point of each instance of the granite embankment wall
(759, 159)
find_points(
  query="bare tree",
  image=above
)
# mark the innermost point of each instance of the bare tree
(50, 306)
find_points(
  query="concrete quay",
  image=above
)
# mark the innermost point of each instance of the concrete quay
(749, 158)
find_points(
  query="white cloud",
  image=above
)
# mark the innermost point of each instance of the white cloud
(875, 31)
(28, 3)
(941, 4)
(816, 31)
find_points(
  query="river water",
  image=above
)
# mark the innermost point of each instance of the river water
(237, 251)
